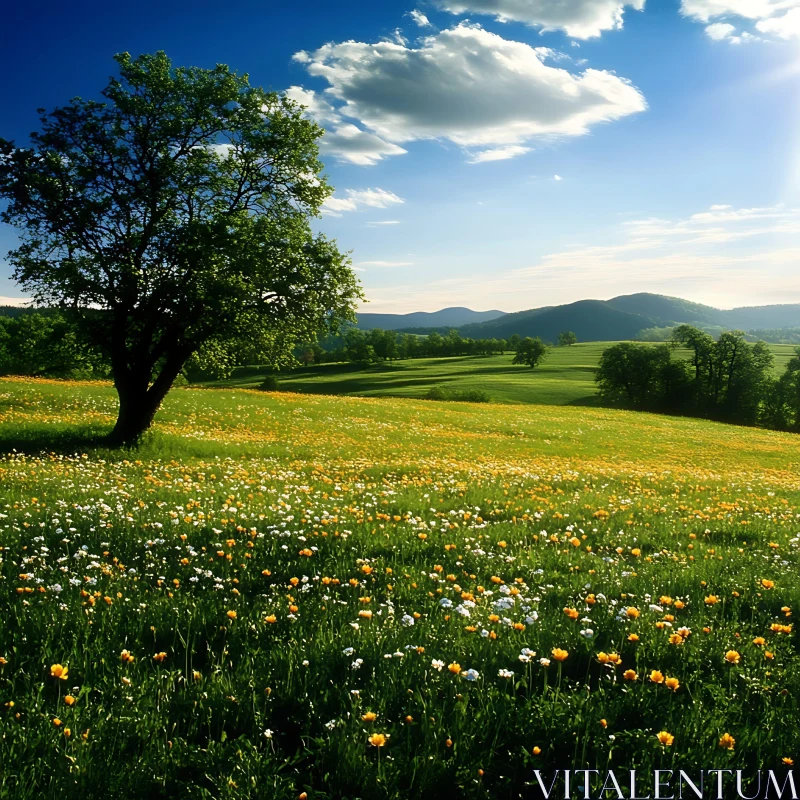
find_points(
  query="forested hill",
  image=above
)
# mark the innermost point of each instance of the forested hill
(446, 318)
(623, 317)
(591, 320)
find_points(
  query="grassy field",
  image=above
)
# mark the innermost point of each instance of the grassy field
(565, 378)
(286, 595)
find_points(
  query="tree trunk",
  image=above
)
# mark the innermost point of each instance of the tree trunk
(137, 410)
(138, 402)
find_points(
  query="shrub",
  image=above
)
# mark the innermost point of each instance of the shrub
(269, 384)
(458, 395)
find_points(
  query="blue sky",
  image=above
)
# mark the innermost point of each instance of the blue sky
(500, 154)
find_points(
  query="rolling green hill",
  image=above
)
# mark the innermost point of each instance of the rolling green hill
(591, 320)
(675, 310)
(565, 378)
(446, 317)
(668, 309)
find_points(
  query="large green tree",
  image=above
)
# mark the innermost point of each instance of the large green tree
(530, 351)
(173, 218)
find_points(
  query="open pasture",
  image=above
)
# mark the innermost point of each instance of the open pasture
(566, 377)
(357, 597)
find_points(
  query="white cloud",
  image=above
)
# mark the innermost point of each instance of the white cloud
(582, 19)
(720, 30)
(499, 153)
(786, 27)
(316, 106)
(725, 32)
(779, 18)
(376, 198)
(718, 225)
(384, 222)
(419, 18)
(349, 143)
(469, 86)
(706, 10)
(357, 198)
(342, 139)
(557, 178)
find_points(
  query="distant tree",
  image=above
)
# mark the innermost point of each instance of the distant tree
(531, 352)
(390, 345)
(702, 347)
(728, 379)
(567, 339)
(319, 353)
(306, 355)
(791, 389)
(433, 345)
(358, 347)
(454, 345)
(384, 343)
(172, 219)
(409, 346)
(655, 334)
(731, 375)
(513, 342)
(644, 377)
(741, 371)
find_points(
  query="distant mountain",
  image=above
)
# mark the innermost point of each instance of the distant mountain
(446, 318)
(625, 316)
(667, 309)
(783, 316)
(590, 320)
(673, 309)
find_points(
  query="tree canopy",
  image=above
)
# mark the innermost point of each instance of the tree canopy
(172, 219)
(567, 339)
(530, 351)
(726, 378)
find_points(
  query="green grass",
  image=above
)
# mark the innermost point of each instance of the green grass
(299, 513)
(566, 377)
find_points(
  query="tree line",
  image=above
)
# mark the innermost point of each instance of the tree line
(376, 345)
(727, 379)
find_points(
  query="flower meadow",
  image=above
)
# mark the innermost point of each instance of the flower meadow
(284, 596)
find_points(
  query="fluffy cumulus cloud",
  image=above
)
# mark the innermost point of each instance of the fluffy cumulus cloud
(582, 19)
(356, 199)
(720, 30)
(725, 32)
(469, 86)
(775, 18)
(343, 140)
(786, 26)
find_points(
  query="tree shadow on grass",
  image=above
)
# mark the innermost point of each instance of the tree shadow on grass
(591, 401)
(359, 386)
(45, 439)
